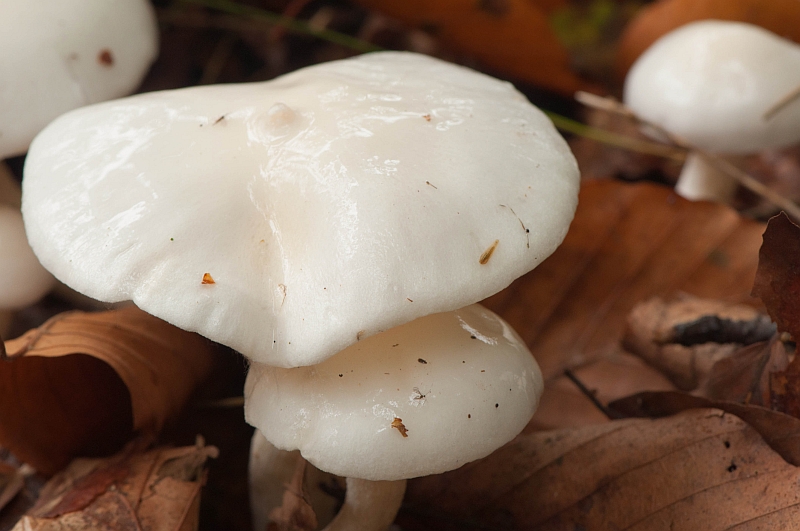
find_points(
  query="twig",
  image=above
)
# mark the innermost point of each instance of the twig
(291, 24)
(782, 103)
(613, 106)
(611, 414)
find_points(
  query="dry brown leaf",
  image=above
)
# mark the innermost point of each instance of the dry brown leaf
(154, 491)
(778, 16)
(697, 470)
(627, 244)
(686, 337)
(780, 431)
(564, 405)
(509, 36)
(296, 512)
(83, 382)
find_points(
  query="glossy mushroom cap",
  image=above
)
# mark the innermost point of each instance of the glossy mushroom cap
(711, 82)
(422, 398)
(57, 55)
(291, 218)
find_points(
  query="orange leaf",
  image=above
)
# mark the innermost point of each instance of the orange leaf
(83, 382)
(697, 470)
(778, 16)
(626, 244)
(510, 36)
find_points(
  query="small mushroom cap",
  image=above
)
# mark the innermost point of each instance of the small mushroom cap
(461, 383)
(57, 55)
(23, 280)
(711, 82)
(289, 219)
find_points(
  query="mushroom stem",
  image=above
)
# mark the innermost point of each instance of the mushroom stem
(700, 181)
(369, 505)
(270, 470)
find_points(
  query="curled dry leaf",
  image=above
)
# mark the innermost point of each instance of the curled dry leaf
(509, 36)
(82, 383)
(659, 18)
(627, 243)
(700, 469)
(684, 338)
(157, 490)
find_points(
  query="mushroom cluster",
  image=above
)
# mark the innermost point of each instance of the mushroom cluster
(334, 225)
(712, 83)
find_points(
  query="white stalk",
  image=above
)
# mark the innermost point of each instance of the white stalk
(369, 505)
(700, 181)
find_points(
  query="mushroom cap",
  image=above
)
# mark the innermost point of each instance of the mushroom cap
(23, 280)
(290, 218)
(462, 383)
(57, 55)
(711, 82)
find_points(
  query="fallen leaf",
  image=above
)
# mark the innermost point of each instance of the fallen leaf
(686, 337)
(697, 470)
(659, 18)
(296, 512)
(564, 405)
(627, 243)
(129, 491)
(509, 36)
(780, 431)
(745, 375)
(777, 281)
(82, 383)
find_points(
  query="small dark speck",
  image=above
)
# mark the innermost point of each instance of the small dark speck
(473, 337)
(422, 361)
(733, 467)
(105, 57)
(172, 239)
(386, 373)
(528, 231)
(483, 370)
(727, 444)
(396, 344)
(463, 361)
(341, 375)
(469, 416)
(218, 120)
(497, 405)
(409, 300)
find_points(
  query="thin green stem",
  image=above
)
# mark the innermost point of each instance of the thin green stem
(614, 139)
(291, 24)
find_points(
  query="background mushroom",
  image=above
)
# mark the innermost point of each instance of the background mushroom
(422, 398)
(57, 56)
(711, 83)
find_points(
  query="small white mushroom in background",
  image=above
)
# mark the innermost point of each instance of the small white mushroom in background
(711, 83)
(294, 218)
(57, 55)
(422, 398)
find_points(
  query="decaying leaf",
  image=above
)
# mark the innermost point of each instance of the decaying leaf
(659, 18)
(780, 431)
(628, 243)
(564, 405)
(129, 491)
(83, 382)
(777, 281)
(509, 36)
(296, 512)
(685, 337)
(700, 469)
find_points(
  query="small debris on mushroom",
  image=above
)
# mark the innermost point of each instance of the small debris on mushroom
(397, 424)
(207, 279)
(487, 254)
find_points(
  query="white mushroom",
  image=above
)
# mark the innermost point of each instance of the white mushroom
(289, 219)
(711, 83)
(422, 398)
(56, 55)
(23, 280)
